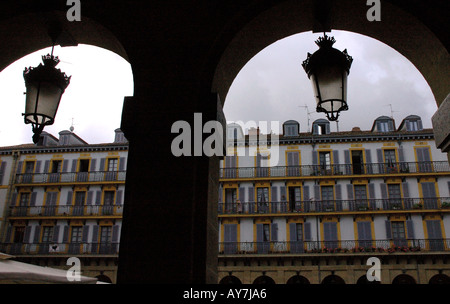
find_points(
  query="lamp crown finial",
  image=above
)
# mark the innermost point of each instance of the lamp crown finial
(325, 41)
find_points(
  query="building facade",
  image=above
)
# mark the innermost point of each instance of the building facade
(313, 207)
(63, 198)
(310, 207)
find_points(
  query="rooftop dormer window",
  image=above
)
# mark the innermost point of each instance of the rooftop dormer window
(411, 123)
(291, 128)
(383, 124)
(321, 127)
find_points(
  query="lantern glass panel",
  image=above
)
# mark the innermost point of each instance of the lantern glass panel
(43, 109)
(328, 86)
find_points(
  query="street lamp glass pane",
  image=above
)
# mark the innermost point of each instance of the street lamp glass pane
(329, 80)
(47, 104)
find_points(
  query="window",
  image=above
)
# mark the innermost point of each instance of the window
(325, 160)
(109, 198)
(29, 167)
(389, 156)
(75, 239)
(106, 239)
(395, 201)
(412, 125)
(294, 199)
(364, 233)
(293, 163)
(299, 230)
(266, 234)
(383, 126)
(84, 165)
(262, 196)
(290, 130)
(24, 199)
(108, 202)
(80, 197)
(47, 234)
(230, 166)
(56, 166)
(398, 233)
(262, 164)
(19, 233)
(330, 235)
(112, 164)
(321, 129)
(360, 197)
(230, 200)
(327, 198)
(76, 236)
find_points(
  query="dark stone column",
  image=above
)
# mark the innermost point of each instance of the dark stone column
(169, 231)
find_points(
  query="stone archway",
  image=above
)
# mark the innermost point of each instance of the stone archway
(440, 279)
(403, 279)
(264, 279)
(230, 279)
(298, 279)
(333, 279)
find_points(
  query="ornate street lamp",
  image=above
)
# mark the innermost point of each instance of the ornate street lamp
(45, 85)
(328, 69)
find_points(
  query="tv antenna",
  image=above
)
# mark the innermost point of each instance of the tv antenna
(392, 111)
(307, 112)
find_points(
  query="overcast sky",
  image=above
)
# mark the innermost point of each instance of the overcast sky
(272, 86)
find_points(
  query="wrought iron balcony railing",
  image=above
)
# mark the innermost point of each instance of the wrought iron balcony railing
(50, 248)
(332, 170)
(66, 210)
(372, 205)
(339, 246)
(70, 177)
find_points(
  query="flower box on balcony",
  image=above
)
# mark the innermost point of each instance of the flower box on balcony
(445, 205)
(417, 206)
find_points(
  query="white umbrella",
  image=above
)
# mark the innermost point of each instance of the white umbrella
(14, 272)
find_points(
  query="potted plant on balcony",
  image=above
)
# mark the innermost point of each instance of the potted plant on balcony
(418, 206)
(396, 206)
(445, 205)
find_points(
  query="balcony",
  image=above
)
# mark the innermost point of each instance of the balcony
(70, 177)
(368, 205)
(65, 211)
(335, 170)
(335, 247)
(56, 249)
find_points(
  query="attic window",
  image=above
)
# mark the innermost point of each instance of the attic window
(321, 128)
(291, 130)
(414, 125)
(383, 126)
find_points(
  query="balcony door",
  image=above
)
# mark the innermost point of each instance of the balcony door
(424, 159)
(262, 196)
(435, 239)
(294, 199)
(230, 200)
(262, 165)
(357, 162)
(230, 238)
(80, 198)
(399, 233)
(429, 195)
(293, 168)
